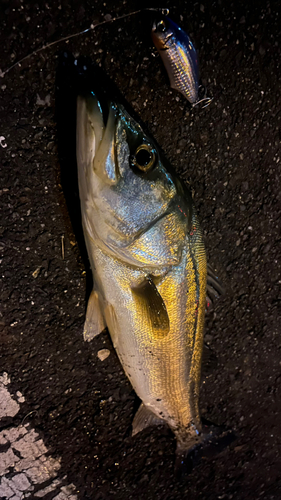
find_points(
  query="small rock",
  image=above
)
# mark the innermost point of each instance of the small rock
(21, 398)
(103, 354)
(43, 102)
(36, 272)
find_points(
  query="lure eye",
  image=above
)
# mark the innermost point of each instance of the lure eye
(161, 26)
(144, 158)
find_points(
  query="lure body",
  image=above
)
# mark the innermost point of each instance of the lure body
(179, 57)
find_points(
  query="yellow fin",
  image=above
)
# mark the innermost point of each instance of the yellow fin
(94, 323)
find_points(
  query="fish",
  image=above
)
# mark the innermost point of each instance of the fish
(149, 266)
(179, 57)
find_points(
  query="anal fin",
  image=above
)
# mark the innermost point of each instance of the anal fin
(94, 323)
(145, 418)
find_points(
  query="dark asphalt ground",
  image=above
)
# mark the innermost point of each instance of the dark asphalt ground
(230, 155)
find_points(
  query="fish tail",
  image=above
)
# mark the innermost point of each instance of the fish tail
(212, 440)
(184, 463)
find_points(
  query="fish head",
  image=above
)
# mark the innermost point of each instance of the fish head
(125, 183)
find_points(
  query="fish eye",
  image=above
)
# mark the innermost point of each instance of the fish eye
(144, 158)
(161, 26)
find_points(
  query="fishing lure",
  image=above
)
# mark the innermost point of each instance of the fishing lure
(179, 57)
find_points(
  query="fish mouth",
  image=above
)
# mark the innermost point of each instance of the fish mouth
(101, 98)
(103, 118)
(96, 126)
(99, 109)
(104, 101)
(102, 107)
(107, 120)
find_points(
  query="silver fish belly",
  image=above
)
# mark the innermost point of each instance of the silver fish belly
(149, 265)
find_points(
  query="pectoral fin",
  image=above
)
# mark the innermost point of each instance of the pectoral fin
(152, 307)
(145, 418)
(94, 323)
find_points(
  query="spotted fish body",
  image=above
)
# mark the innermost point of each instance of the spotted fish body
(149, 265)
(179, 57)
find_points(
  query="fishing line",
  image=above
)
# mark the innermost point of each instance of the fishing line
(164, 12)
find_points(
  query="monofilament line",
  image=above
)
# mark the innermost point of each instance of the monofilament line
(65, 38)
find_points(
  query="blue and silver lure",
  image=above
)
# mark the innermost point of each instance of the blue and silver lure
(179, 57)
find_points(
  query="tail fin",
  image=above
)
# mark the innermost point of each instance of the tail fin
(214, 439)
